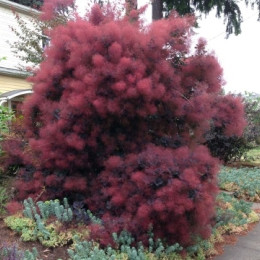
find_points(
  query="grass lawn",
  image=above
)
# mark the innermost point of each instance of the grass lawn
(253, 155)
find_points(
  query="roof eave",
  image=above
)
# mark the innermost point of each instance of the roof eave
(19, 8)
(14, 73)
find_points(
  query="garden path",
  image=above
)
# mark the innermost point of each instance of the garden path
(247, 247)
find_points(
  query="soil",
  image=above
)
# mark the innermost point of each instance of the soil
(240, 164)
(11, 238)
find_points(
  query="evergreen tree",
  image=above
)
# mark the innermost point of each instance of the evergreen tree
(229, 9)
(33, 34)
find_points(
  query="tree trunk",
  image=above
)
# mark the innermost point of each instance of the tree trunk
(157, 8)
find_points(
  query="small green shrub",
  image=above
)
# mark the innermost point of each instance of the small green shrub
(125, 251)
(6, 116)
(47, 209)
(88, 250)
(10, 252)
(3, 199)
(226, 148)
(93, 218)
(91, 250)
(31, 255)
(125, 248)
(41, 230)
(2, 58)
(19, 224)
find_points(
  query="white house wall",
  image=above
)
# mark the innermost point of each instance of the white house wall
(7, 19)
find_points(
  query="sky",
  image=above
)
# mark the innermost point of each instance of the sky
(239, 55)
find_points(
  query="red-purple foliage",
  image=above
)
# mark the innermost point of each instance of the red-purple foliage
(51, 8)
(171, 190)
(15, 145)
(13, 207)
(117, 118)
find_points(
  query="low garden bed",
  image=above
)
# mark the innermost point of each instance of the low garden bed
(244, 182)
(56, 231)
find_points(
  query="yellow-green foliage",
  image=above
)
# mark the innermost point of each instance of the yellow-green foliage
(28, 229)
(216, 237)
(29, 235)
(3, 199)
(253, 217)
(56, 238)
(18, 223)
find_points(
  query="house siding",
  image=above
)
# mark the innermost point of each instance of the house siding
(10, 83)
(7, 19)
(11, 77)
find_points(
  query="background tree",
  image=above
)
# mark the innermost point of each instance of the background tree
(33, 34)
(226, 148)
(157, 9)
(252, 111)
(2, 58)
(29, 46)
(232, 148)
(130, 5)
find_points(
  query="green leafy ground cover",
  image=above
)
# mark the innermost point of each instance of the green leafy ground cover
(243, 182)
(6, 116)
(51, 224)
(3, 199)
